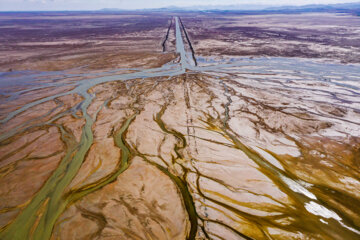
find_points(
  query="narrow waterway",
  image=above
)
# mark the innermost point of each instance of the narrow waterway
(180, 48)
(309, 211)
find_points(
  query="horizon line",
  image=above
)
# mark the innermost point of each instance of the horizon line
(209, 7)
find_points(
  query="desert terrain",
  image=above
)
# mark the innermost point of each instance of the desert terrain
(305, 35)
(179, 126)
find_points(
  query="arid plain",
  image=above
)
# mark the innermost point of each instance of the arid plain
(187, 125)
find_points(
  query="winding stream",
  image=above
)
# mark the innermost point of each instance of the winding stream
(37, 219)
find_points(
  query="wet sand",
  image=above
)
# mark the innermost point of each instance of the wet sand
(245, 148)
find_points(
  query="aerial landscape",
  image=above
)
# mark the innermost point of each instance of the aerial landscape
(185, 122)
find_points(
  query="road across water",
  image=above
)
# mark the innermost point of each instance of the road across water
(38, 218)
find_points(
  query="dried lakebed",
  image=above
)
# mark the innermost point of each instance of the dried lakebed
(264, 148)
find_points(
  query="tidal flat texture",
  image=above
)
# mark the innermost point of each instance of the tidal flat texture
(179, 126)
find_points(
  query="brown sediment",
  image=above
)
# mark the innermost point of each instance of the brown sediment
(19, 164)
(179, 96)
(234, 35)
(224, 152)
(86, 41)
(166, 36)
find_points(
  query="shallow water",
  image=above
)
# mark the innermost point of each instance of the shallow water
(313, 83)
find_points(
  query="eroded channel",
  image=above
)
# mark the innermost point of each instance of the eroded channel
(252, 149)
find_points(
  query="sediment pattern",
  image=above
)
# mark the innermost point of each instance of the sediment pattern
(248, 149)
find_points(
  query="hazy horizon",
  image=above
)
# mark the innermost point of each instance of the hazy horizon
(58, 5)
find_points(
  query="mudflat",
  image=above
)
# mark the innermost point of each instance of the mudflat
(188, 125)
